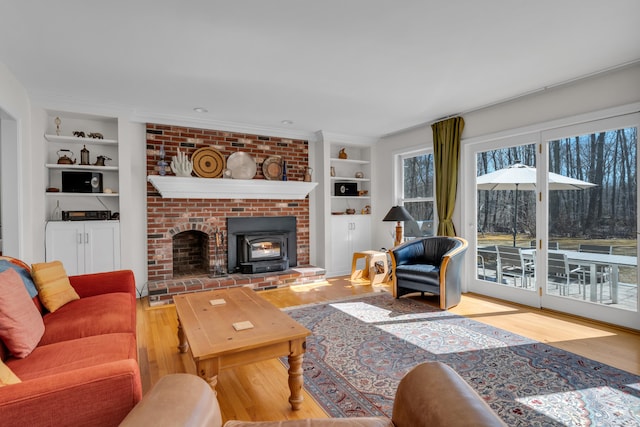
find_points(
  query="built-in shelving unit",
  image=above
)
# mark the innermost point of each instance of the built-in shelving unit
(83, 246)
(60, 141)
(344, 220)
(346, 170)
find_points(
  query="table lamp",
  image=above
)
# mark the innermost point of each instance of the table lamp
(398, 213)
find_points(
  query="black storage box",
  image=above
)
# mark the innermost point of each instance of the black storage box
(346, 189)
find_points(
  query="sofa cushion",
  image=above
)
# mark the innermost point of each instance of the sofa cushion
(74, 354)
(53, 284)
(7, 376)
(24, 273)
(21, 325)
(96, 315)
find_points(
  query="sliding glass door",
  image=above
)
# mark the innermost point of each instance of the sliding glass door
(506, 219)
(556, 216)
(591, 235)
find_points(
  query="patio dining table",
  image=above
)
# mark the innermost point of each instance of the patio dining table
(592, 261)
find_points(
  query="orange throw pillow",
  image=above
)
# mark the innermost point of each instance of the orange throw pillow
(54, 288)
(7, 376)
(21, 326)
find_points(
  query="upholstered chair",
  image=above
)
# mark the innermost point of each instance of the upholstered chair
(429, 265)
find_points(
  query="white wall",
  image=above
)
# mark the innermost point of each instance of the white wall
(18, 236)
(617, 88)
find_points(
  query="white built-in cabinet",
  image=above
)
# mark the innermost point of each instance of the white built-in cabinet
(344, 233)
(349, 234)
(84, 246)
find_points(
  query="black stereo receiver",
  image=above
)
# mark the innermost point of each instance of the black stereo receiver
(81, 182)
(85, 215)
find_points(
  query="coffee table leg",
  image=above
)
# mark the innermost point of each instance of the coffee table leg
(296, 378)
(183, 345)
(208, 371)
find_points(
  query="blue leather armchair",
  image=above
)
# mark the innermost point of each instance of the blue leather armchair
(432, 265)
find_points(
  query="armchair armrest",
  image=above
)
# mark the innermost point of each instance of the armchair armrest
(192, 404)
(411, 252)
(433, 394)
(451, 275)
(87, 285)
(94, 396)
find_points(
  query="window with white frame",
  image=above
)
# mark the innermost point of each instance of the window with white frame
(417, 193)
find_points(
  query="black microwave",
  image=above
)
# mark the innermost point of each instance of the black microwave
(81, 182)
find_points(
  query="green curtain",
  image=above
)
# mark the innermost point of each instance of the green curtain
(446, 153)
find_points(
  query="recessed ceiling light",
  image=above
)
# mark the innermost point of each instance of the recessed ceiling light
(200, 110)
(287, 122)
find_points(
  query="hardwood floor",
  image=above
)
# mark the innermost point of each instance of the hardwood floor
(260, 391)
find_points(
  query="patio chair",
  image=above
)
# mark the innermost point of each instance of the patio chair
(559, 273)
(487, 261)
(512, 264)
(603, 272)
(550, 245)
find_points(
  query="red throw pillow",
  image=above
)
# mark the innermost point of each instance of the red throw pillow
(21, 325)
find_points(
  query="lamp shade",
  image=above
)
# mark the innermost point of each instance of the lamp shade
(398, 213)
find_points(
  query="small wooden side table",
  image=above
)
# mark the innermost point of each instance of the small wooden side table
(376, 267)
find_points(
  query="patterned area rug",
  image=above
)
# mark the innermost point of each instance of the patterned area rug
(361, 348)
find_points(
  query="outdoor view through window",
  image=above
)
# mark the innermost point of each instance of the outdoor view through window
(591, 216)
(418, 194)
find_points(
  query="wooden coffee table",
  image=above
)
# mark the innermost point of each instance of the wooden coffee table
(207, 332)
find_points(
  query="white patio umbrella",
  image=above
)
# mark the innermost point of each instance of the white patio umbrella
(522, 177)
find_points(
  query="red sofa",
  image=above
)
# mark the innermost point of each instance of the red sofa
(84, 371)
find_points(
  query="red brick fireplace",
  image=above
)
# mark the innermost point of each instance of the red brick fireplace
(195, 231)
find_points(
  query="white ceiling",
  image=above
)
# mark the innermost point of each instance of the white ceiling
(357, 67)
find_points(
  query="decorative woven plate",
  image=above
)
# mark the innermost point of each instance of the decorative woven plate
(208, 162)
(272, 168)
(242, 165)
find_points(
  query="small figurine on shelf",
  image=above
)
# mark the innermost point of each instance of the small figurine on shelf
(57, 121)
(342, 154)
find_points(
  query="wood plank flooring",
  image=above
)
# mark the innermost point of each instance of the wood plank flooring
(260, 391)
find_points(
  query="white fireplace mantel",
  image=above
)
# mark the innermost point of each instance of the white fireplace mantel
(217, 188)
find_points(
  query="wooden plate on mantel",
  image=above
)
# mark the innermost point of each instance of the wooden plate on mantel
(208, 162)
(272, 168)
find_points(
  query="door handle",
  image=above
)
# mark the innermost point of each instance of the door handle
(86, 237)
(79, 238)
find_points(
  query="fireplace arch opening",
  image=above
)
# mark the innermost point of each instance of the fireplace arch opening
(190, 253)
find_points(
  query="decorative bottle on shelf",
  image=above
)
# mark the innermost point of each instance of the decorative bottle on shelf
(84, 156)
(284, 170)
(57, 212)
(162, 164)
